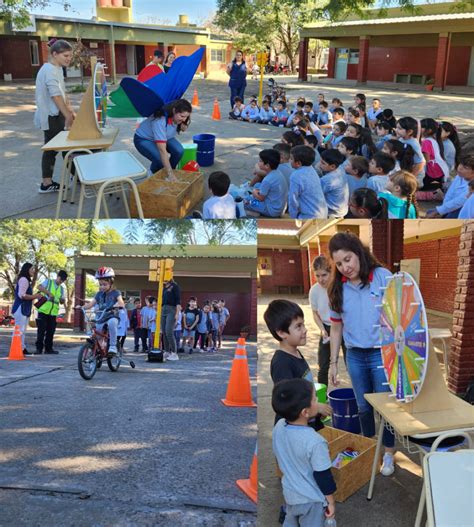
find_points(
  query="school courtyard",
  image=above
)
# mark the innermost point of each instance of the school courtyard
(237, 143)
(152, 445)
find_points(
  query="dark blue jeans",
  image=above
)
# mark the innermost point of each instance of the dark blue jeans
(366, 377)
(236, 91)
(149, 150)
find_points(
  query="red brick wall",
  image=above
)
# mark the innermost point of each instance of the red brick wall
(439, 262)
(461, 356)
(187, 49)
(401, 60)
(458, 68)
(352, 71)
(332, 63)
(149, 50)
(284, 273)
(15, 58)
(313, 253)
(121, 59)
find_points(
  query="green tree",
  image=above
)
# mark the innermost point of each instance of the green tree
(18, 11)
(192, 232)
(50, 245)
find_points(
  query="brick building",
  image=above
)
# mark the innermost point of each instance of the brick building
(126, 47)
(435, 43)
(209, 273)
(438, 253)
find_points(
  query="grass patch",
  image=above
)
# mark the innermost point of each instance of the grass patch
(77, 88)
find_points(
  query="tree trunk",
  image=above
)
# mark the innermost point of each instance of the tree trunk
(69, 303)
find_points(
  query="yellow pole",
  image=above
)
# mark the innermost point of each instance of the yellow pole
(159, 304)
(260, 94)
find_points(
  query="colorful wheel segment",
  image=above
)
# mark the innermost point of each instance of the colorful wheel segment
(404, 336)
(100, 95)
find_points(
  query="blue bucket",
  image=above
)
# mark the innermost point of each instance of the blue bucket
(206, 144)
(345, 414)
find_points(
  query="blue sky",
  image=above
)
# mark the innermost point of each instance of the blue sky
(142, 9)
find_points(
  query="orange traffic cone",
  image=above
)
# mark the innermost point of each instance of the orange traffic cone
(195, 101)
(216, 113)
(238, 389)
(249, 486)
(16, 353)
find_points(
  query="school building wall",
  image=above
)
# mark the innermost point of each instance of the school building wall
(287, 272)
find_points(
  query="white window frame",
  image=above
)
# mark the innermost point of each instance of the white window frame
(220, 53)
(34, 48)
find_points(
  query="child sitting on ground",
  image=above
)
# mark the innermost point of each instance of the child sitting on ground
(334, 183)
(365, 203)
(221, 206)
(308, 110)
(348, 146)
(302, 456)
(305, 197)
(285, 166)
(324, 117)
(335, 137)
(251, 112)
(400, 195)
(396, 150)
(299, 106)
(281, 115)
(373, 112)
(356, 173)
(436, 169)
(384, 133)
(379, 167)
(467, 211)
(269, 197)
(266, 113)
(237, 110)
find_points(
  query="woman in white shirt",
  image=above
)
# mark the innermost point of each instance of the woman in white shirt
(319, 301)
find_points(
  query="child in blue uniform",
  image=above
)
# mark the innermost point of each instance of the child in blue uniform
(334, 183)
(380, 167)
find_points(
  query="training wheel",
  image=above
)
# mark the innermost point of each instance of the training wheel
(132, 364)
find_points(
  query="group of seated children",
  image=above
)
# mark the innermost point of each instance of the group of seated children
(356, 163)
(194, 325)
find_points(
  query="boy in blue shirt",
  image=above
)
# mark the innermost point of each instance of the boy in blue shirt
(380, 167)
(373, 112)
(324, 118)
(269, 197)
(348, 146)
(266, 113)
(308, 110)
(285, 166)
(302, 455)
(281, 115)
(334, 183)
(299, 106)
(305, 197)
(251, 112)
(356, 173)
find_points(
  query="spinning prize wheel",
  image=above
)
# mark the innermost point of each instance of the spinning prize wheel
(404, 337)
(100, 95)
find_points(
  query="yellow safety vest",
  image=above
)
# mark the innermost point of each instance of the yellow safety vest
(51, 307)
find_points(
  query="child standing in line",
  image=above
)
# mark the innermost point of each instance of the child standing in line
(356, 173)
(189, 323)
(285, 321)
(407, 133)
(302, 456)
(237, 110)
(221, 205)
(400, 194)
(436, 169)
(224, 318)
(202, 328)
(136, 323)
(285, 166)
(215, 314)
(379, 167)
(305, 198)
(122, 328)
(334, 183)
(152, 322)
(451, 144)
(178, 328)
(281, 115)
(270, 196)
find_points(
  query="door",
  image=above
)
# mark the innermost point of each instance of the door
(131, 63)
(342, 59)
(140, 57)
(470, 79)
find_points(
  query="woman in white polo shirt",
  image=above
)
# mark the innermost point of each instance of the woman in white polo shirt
(354, 294)
(155, 138)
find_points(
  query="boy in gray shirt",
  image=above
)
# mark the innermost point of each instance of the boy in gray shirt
(302, 455)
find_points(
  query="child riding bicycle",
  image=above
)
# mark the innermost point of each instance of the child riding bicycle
(106, 299)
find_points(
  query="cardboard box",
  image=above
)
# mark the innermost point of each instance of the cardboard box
(353, 476)
(166, 199)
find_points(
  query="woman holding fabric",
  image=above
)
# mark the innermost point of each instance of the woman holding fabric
(355, 294)
(237, 71)
(155, 138)
(23, 302)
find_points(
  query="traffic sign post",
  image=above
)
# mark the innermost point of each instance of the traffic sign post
(160, 271)
(262, 59)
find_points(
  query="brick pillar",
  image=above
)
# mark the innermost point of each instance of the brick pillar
(306, 270)
(461, 356)
(332, 63)
(387, 242)
(206, 59)
(303, 60)
(442, 60)
(253, 306)
(43, 52)
(79, 292)
(364, 47)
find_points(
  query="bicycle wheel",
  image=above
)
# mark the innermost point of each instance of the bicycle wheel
(114, 362)
(86, 361)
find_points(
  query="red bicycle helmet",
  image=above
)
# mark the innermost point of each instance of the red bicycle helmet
(105, 272)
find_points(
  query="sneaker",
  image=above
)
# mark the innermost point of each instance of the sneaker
(166, 355)
(202, 350)
(54, 352)
(173, 356)
(26, 352)
(52, 187)
(388, 468)
(113, 350)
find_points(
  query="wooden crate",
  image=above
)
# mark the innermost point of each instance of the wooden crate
(166, 199)
(353, 476)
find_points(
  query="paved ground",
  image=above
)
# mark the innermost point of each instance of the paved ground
(392, 495)
(150, 446)
(237, 147)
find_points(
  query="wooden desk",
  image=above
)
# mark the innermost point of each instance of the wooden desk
(61, 143)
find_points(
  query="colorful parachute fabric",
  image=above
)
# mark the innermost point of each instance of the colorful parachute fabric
(140, 99)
